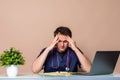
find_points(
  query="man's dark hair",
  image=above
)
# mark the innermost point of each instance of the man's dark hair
(63, 30)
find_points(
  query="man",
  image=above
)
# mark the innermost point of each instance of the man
(61, 55)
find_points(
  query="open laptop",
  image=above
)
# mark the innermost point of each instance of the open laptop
(104, 62)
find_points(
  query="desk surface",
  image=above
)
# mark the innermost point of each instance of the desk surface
(65, 77)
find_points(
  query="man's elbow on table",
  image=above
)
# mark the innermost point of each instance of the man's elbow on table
(35, 70)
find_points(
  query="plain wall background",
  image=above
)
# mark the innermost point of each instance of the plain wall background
(28, 25)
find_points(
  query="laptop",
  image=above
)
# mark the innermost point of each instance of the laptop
(104, 62)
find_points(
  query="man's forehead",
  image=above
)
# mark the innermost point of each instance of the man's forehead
(62, 37)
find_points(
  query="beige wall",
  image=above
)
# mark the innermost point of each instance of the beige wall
(28, 25)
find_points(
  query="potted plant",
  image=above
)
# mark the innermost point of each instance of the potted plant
(11, 59)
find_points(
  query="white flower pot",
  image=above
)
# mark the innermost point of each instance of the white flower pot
(12, 70)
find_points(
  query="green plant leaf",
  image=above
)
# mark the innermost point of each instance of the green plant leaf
(11, 56)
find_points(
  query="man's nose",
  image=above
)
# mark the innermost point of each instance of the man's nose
(62, 43)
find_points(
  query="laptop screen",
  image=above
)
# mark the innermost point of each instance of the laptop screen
(104, 62)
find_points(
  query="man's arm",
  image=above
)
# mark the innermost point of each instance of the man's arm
(85, 63)
(38, 63)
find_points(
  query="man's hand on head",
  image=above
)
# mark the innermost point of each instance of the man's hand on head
(72, 43)
(54, 42)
